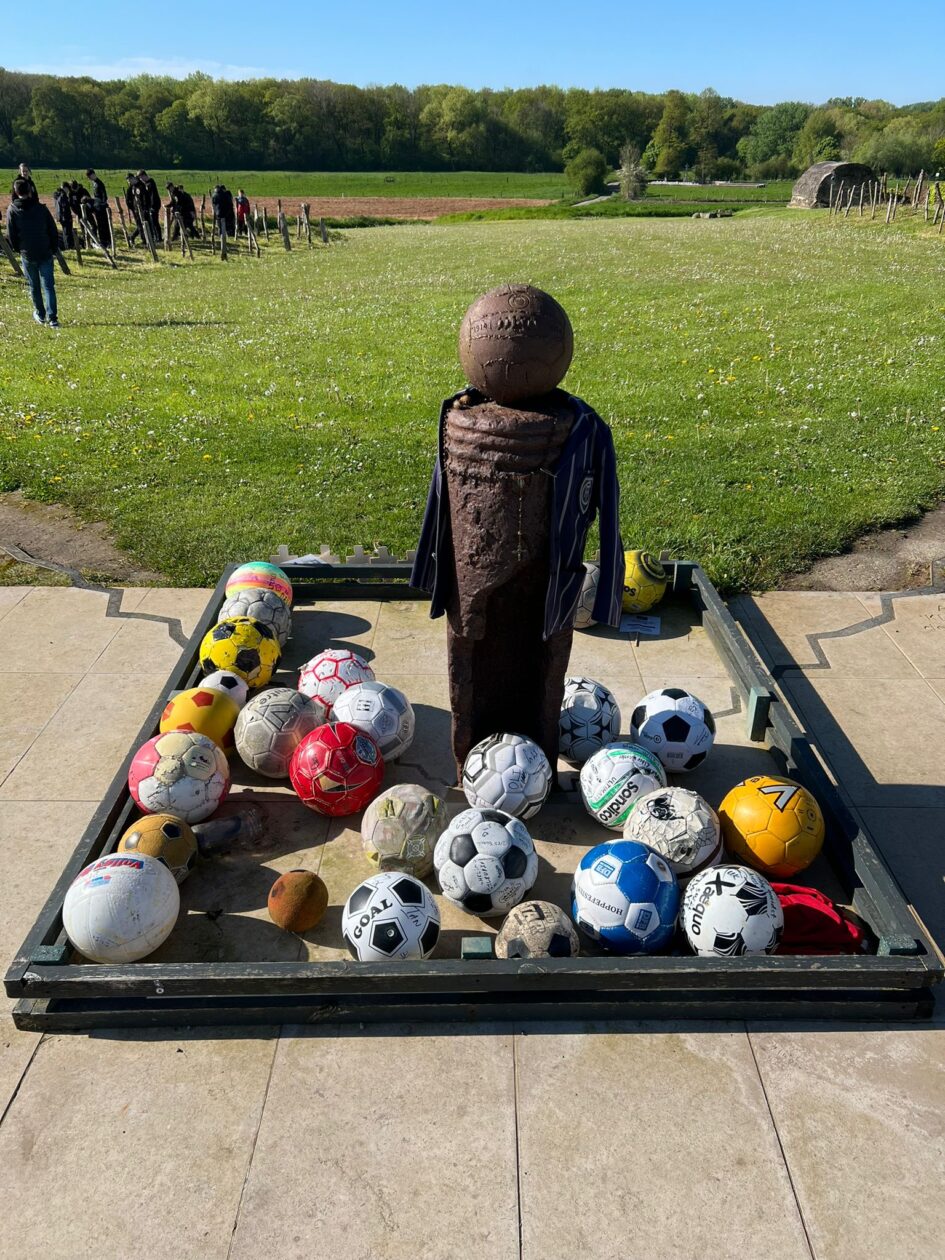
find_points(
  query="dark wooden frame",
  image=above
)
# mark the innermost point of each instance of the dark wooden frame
(892, 984)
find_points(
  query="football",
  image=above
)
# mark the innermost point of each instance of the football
(485, 861)
(537, 929)
(644, 581)
(259, 575)
(515, 342)
(626, 897)
(590, 718)
(681, 826)
(400, 829)
(773, 824)
(202, 709)
(383, 711)
(615, 778)
(390, 916)
(675, 725)
(181, 773)
(165, 838)
(583, 614)
(731, 910)
(271, 727)
(331, 672)
(507, 772)
(241, 646)
(121, 908)
(336, 769)
(229, 683)
(261, 605)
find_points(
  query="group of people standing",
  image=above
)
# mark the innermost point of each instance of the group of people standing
(74, 201)
(34, 234)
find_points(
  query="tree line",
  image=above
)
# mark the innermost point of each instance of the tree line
(313, 124)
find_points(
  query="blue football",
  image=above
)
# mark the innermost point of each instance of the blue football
(626, 896)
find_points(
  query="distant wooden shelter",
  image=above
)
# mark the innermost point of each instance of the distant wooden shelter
(813, 189)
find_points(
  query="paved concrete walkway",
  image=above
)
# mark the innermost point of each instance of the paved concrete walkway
(642, 1142)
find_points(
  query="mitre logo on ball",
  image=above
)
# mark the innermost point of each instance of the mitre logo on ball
(515, 342)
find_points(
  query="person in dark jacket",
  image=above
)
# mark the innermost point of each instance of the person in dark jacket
(242, 211)
(132, 201)
(183, 204)
(223, 209)
(100, 221)
(64, 216)
(151, 202)
(24, 172)
(31, 230)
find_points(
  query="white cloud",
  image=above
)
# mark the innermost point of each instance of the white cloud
(177, 67)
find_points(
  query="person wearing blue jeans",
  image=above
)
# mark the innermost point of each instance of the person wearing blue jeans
(41, 279)
(32, 231)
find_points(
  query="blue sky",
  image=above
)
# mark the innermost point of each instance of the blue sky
(759, 52)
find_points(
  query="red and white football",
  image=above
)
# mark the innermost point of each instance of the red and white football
(337, 769)
(331, 672)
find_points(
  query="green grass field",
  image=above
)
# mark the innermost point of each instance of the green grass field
(777, 192)
(344, 184)
(773, 381)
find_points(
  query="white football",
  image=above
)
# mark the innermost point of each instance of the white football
(121, 908)
(583, 614)
(590, 718)
(229, 683)
(676, 725)
(331, 672)
(271, 727)
(390, 916)
(680, 825)
(262, 605)
(614, 779)
(381, 710)
(507, 772)
(485, 861)
(731, 910)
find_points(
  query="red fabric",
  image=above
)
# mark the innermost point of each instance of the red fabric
(814, 925)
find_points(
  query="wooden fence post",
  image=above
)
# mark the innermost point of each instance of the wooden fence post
(323, 231)
(283, 227)
(266, 224)
(90, 236)
(124, 225)
(7, 249)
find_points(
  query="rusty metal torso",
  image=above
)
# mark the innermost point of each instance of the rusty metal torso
(497, 464)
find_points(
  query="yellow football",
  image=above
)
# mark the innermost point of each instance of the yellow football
(644, 581)
(773, 824)
(202, 709)
(165, 838)
(243, 646)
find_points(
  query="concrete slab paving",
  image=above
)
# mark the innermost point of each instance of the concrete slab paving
(146, 645)
(917, 627)
(16, 1050)
(78, 751)
(785, 622)
(36, 838)
(406, 632)
(387, 1162)
(861, 1118)
(884, 742)
(10, 596)
(384, 1147)
(27, 703)
(66, 629)
(643, 1143)
(115, 1144)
